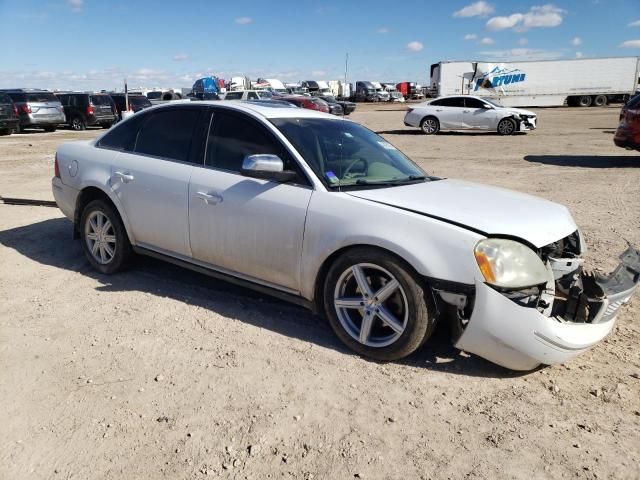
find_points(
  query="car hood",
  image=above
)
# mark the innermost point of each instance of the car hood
(489, 210)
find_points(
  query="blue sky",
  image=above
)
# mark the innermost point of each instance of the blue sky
(94, 44)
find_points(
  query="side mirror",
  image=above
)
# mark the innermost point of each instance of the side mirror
(266, 167)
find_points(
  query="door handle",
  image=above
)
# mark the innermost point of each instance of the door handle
(438, 109)
(209, 198)
(466, 111)
(124, 177)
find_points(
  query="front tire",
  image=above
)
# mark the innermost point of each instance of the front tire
(376, 305)
(507, 126)
(430, 125)
(104, 238)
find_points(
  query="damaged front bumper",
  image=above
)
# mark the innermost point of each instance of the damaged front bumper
(528, 123)
(572, 313)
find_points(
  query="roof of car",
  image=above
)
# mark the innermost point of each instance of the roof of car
(271, 110)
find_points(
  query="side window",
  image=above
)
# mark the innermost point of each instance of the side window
(453, 102)
(123, 135)
(252, 96)
(436, 103)
(168, 134)
(64, 100)
(233, 137)
(473, 103)
(233, 96)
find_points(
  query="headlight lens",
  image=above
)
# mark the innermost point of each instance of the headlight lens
(509, 264)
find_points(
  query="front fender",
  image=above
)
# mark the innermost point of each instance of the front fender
(433, 248)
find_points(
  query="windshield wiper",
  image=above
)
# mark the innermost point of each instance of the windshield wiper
(395, 181)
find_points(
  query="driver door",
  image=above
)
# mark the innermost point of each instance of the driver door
(479, 115)
(248, 227)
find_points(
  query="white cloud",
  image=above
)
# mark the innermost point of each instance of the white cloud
(244, 20)
(523, 41)
(414, 46)
(630, 44)
(544, 16)
(76, 5)
(522, 54)
(470, 36)
(502, 23)
(382, 30)
(576, 41)
(579, 55)
(179, 57)
(318, 73)
(476, 9)
(487, 41)
(634, 24)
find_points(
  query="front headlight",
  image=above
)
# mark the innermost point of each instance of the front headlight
(509, 264)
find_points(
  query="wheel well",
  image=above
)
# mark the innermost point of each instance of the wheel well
(87, 195)
(318, 297)
(512, 118)
(429, 116)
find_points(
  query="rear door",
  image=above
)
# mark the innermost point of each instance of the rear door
(246, 226)
(450, 112)
(151, 179)
(6, 107)
(479, 115)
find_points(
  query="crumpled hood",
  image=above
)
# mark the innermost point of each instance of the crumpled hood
(520, 111)
(490, 210)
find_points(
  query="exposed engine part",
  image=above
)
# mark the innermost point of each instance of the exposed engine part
(567, 247)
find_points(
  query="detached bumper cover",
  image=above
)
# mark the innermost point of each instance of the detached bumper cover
(521, 338)
(528, 123)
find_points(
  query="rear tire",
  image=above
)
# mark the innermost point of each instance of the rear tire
(398, 320)
(78, 124)
(600, 101)
(430, 125)
(584, 101)
(507, 126)
(104, 238)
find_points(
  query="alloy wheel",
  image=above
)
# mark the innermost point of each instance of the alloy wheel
(371, 305)
(506, 127)
(100, 236)
(430, 125)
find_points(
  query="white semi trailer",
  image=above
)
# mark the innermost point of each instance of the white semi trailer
(546, 83)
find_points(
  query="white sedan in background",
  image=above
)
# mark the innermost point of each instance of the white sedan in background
(466, 112)
(323, 212)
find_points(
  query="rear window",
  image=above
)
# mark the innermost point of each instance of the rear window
(154, 95)
(4, 98)
(139, 101)
(101, 99)
(41, 97)
(18, 97)
(233, 96)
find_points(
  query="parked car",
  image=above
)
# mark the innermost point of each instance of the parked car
(325, 213)
(469, 113)
(249, 95)
(628, 132)
(9, 118)
(316, 87)
(37, 108)
(88, 109)
(136, 103)
(365, 92)
(303, 101)
(346, 107)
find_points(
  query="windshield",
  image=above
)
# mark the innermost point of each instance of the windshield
(154, 95)
(265, 94)
(346, 154)
(139, 101)
(492, 102)
(101, 99)
(329, 99)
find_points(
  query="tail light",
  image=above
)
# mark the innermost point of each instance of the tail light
(56, 167)
(90, 109)
(26, 108)
(15, 110)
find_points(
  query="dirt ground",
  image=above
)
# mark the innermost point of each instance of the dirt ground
(162, 373)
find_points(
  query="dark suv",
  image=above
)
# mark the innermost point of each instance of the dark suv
(136, 103)
(8, 115)
(88, 109)
(37, 108)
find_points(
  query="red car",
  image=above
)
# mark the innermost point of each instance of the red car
(628, 133)
(312, 103)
